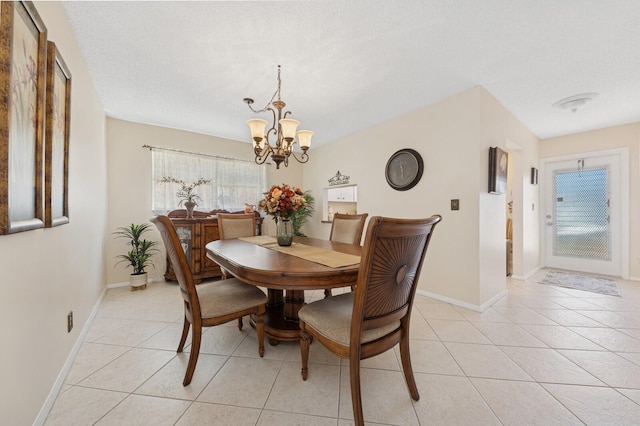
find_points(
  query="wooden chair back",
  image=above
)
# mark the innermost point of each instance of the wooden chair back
(235, 225)
(390, 266)
(181, 268)
(376, 316)
(347, 228)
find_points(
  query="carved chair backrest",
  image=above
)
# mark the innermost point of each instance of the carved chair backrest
(393, 255)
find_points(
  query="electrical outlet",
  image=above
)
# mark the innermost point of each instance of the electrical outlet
(69, 322)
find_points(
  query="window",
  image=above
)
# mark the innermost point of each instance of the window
(582, 214)
(233, 183)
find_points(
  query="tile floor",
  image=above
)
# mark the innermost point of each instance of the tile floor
(541, 355)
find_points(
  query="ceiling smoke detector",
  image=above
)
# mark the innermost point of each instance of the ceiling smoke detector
(574, 103)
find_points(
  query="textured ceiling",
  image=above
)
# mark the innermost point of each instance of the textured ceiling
(348, 65)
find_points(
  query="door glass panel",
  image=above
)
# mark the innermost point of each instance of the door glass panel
(582, 214)
(184, 234)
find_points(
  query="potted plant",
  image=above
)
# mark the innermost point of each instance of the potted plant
(300, 216)
(140, 253)
(186, 194)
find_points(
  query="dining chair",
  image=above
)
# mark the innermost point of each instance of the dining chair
(376, 316)
(346, 228)
(210, 304)
(235, 225)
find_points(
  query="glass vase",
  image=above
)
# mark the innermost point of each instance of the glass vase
(284, 233)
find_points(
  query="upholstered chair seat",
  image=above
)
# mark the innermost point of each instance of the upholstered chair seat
(332, 318)
(227, 296)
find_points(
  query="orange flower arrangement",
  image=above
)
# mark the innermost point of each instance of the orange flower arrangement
(281, 201)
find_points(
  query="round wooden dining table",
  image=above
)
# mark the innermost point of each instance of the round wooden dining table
(286, 277)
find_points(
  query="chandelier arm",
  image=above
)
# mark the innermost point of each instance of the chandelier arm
(303, 158)
(273, 130)
(262, 156)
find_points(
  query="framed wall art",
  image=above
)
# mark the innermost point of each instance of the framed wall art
(497, 171)
(23, 45)
(56, 151)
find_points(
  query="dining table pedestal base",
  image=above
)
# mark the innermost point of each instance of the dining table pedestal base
(281, 316)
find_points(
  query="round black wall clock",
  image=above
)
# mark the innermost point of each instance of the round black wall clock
(404, 169)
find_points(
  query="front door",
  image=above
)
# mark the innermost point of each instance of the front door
(582, 217)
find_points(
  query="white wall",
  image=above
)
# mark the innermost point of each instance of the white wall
(466, 260)
(48, 272)
(626, 136)
(501, 128)
(129, 177)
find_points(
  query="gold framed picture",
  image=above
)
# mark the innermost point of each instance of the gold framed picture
(23, 45)
(57, 126)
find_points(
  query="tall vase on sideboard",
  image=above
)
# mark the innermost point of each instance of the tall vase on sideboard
(189, 205)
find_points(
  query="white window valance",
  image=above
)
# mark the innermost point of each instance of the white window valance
(233, 183)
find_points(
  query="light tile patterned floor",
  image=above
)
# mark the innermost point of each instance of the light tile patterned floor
(541, 355)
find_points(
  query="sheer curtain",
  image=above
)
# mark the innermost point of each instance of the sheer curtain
(233, 183)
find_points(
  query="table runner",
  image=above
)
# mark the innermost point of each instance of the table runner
(330, 258)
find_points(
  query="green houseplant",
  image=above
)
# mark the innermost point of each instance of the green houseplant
(300, 216)
(140, 253)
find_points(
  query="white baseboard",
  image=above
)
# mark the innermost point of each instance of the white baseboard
(477, 308)
(118, 285)
(57, 385)
(526, 276)
(126, 284)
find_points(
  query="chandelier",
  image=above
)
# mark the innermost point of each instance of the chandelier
(282, 131)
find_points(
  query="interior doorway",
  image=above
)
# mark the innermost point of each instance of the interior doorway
(583, 215)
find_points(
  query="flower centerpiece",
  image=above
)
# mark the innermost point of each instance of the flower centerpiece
(281, 201)
(186, 193)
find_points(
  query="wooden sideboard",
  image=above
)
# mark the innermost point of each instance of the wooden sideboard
(194, 234)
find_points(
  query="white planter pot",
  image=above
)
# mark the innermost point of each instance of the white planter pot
(138, 282)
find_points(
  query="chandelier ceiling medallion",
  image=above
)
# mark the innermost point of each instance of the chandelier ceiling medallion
(283, 131)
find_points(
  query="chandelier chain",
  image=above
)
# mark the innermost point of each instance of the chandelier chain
(276, 93)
